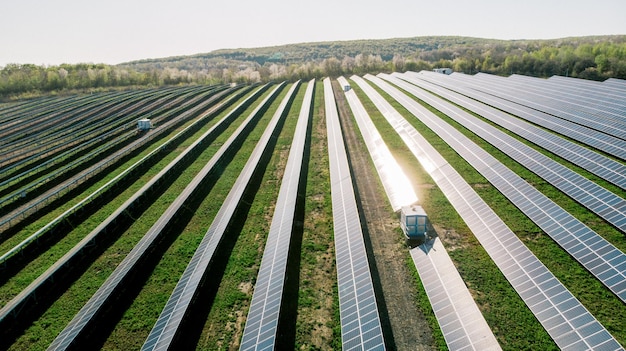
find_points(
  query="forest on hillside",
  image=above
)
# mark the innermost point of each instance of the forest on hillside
(594, 57)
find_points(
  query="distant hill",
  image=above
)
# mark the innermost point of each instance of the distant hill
(569, 55)
(591, 57)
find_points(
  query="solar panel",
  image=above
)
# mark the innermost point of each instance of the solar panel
(556, 222)
(594, 101)
(598, 164)
(261, 327)
(603, 142)
(565, 319)
(601, 201)
(360, 322)
(116, 279)
(461, 322)
(50, 275)
(167, 325)
(396, 184)
(553, 107)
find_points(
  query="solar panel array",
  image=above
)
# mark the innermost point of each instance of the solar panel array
(115, 280)
(358, 311)
(594, 162)
(598, 100)
(396, 184)
(585, 245)
(565, 319)
(29, 294)
(603, 142)
(555, 107)
(260, 332)
(461, 322)
(177, 307)
(596, 103)
(603, 202)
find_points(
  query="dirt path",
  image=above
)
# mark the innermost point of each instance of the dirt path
(403, 322)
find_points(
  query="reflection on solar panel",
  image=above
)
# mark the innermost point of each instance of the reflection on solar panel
(397, 186)
(590, 160)
(567, 321)
(116, 280)
(460, 320)
(177, 307)
(360, 322)
(604, 203)
(603, 142)
(262, 322)
(585, 245)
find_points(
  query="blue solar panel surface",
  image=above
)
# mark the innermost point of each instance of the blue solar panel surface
(358, 311)
(565, 319)
(167, 325)
(556, 222)
(594, 162)
(114, 281)
(603, 142)
(603, 202)
(261, 327)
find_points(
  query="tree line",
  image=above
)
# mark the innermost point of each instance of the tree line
(595, 58)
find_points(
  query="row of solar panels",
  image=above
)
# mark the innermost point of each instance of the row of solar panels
(603, 202)
(73, 258)
(592, 161)
(262, 323)
(596, 254)
(90, 127)
(132, 262)
(462, 324)
(71, 137)
(600, 119)
(561, 314)
(588, 136)
(72, 175)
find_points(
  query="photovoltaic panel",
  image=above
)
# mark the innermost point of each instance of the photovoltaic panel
(262, 321)
(177, 307)
(460, 320)
(559, 109)
(556, 222)
(116, 279)
(565, 319)
(598, 164)
(358, 311)
(606, 143)
(39, 284)
(601, 201)
(592, 102)
(396, 184)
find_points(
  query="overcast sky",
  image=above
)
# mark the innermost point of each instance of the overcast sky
(113, 31)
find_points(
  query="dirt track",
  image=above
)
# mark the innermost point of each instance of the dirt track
(404, 325)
